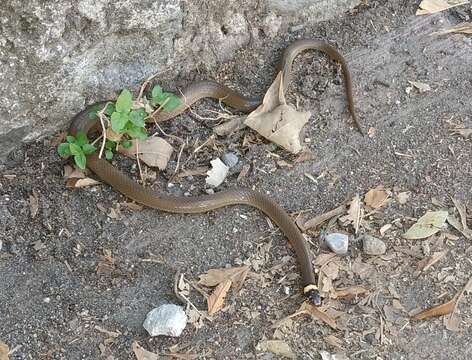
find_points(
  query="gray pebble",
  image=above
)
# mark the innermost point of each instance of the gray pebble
(337, 243)
(373, 246)
(167, 319)
(230, 159)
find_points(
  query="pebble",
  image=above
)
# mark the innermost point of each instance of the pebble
(167, 319)
(337, 243)
(373, 246)
(230, 159)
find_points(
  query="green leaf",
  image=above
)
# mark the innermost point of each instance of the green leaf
(88, 149)
(110, 109)
(137, 117)
(81, 138)
(108, 154)
(70, 139)
(80, 160)
(126, 144)
(118, 121)
(124, 101)
(110, 145)
(75, 149)
(156, 91)
(64, 150)
(137, 132)
(173, 102)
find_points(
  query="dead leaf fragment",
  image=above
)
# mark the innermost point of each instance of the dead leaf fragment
(349, 293)
(79, 183)
(464, 132)
(422, 87)
(439, 310)
(216, 299)
(356, 212)
(277, 347)
(428, 7)
(403, 197)
(217, 174)
(4, 350)
(142, 354)
(427, 225)
(153, 151)
(464, 28)
(230, 126)
(327, 356)
(426, 263)
(375, 198)
(318, 314)
(213, 277)
(34, 204)
(277, 121)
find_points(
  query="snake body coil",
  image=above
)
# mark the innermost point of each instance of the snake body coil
(198, 204)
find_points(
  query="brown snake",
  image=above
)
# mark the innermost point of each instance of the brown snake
(198, 204)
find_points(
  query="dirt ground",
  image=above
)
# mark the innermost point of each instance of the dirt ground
(78, 279)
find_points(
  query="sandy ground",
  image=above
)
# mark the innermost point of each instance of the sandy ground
(78, 279)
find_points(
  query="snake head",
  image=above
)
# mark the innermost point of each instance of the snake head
(314, 297)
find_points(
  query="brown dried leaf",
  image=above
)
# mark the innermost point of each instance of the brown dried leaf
(79, 183)
(216, 299)
(355, 212)
(438, 310)
(230, 126)
(277, 347)
(334, 341)
(277, 121)
(198, 171)
(318, 314)
(331, 270)
(305, 155)
(428, 7)
(463, 215)
(4, 350)
(426, 263)
(154, 151)
(214, 277)
(106, 264)
(377, 197)
(422, 87)
(318, 220)
(34, 204)
(349, 293)
(464, 28)
(143, 354)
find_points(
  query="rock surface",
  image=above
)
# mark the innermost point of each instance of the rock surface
(58, 56)
(337, 243)
(167, 319)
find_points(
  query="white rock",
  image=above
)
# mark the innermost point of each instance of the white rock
(167, 319)
(337, 242)
(217, 174)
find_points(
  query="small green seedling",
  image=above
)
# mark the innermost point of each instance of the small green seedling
(77, 146)
(167, 100)
(127, 121)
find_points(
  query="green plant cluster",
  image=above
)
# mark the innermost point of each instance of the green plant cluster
(124, 119)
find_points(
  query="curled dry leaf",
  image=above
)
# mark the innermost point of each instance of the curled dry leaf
(439, 310)
(355, 212)
(464, 28)
(142, 354)
(4, 350)
(428, 7)
(349, 293)
(217, 174)
(230, 126)
(318, 314)
(377, 197)
(422, 87)
(427, 225)
(277, 121)
(34, 204)
(464, 229)
(216, 299)
(213, 277)
(277, 347)
(153, 151)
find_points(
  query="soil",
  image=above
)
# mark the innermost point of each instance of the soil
(76, 268)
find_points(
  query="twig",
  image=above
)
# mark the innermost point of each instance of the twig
(178, 157)
(139, 162)
(101, 116)
(147, 81)
(198, 148)
(165, 134)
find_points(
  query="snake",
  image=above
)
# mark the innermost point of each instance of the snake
(109, 174)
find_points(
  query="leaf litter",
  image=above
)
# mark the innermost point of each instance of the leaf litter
(153, 151)
(427, 225)
(428, 7)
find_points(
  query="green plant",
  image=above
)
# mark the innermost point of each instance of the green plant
(125, 121)
(77, 146)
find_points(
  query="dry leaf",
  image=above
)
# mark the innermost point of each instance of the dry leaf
(452, 322)
(4, 350)
(422, 87)
(349, 293)
(106, 265)
(318, 220)
(403, 197)
(277, 121)
(375, 198)
(217, 174)
(355, 212)
(153, 151)
(384, 229)
(464, 28)
(277, 347)
(439, 310)
(214, 277)
(78, 183)
(463, 215)
(305, 155)
(426, 263)
(143, 354)
(429, 224)
(333, 341)
(113, 136)
(318, 314)
(230, 126)
(466, 133)
(428, 7)
(34, 204)
(198, 171)
(216, 299)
